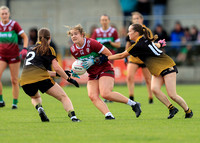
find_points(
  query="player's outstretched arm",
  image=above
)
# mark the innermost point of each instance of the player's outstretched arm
(64, 74)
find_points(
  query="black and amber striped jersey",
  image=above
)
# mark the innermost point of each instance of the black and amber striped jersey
(155, 60)
(136, 60)
(35, 66)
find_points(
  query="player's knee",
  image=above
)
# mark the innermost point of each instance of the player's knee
(173, 96)
(105, 94)
(130, 79)
(148, 81)
(62, 97)
(155, 90)
(93, 98)
(14, 82)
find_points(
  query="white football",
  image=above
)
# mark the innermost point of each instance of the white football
(78, 68)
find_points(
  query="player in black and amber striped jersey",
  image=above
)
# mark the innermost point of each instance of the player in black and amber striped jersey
(161, 66)
(35, 76)
(135, 63)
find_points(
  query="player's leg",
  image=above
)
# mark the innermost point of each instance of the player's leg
(3, 66)
(32, 91)
(93, 93)
(131, 70)
(147, 77)
(57, 92)
(37, 103)
(157, 82)
(106, 84)
(14, 72)
(170, 83)
(35, 100)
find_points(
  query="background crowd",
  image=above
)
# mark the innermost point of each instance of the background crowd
(183, 42)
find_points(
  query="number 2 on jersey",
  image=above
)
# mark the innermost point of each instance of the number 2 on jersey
(32, 56)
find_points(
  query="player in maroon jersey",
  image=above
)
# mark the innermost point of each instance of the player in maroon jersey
(9, 51)
(107, 35)
(101, 76)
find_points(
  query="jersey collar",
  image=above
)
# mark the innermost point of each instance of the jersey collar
(6, 23)
(105, 30)
(139, 38)
(83, 44)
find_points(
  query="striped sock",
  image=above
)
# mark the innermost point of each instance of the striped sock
(188, 111)
(171, 107)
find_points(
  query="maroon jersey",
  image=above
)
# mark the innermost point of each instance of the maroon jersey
(91, 49)
(9, 39)
(105, 36)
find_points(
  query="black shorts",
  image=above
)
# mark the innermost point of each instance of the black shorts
(43, 86)
(169, 70)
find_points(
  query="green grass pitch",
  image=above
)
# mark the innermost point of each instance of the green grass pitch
(24, 126)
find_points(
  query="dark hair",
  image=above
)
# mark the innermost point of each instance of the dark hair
(105, 15)
(43, 37)
(33, 35)
(143, 31)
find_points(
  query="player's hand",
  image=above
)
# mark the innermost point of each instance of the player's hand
(125, 61)
(103, 58)
(87, 63)
(72, 81)
(162, 43)
(23, 53)
(74, 74)
(67, 72)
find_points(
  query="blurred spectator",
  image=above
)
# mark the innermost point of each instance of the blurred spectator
(158, 10)
(144, 7)
(161, 32)
(127, 7)
(185, 48)
(176, 36)
(197, 50)
(33, 34)
(194, 38)
(194, 33)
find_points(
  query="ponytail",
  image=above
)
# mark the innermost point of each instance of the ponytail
(43, 47)
(148, 36)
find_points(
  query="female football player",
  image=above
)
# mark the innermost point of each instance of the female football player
(101, 77)
(35, 76)
(134, 62)
(161, 66)
(9, 52)
(107, 35)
